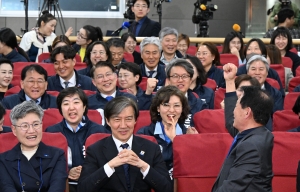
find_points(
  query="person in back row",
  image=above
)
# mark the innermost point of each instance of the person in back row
(76, 127)
(66, 76)
(3, 129)
(116, 47)
(6, 76)
(34, 85)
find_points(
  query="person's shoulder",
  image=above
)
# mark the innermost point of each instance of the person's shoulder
(95, 127)
(50, 149)
(147, 130)
(55, 128)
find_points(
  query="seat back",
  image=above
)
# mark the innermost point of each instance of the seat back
(192, 50)
(51, 117)
(273, 83)
(53, 93)
(229, 58)
(279, 68)
(89, 92)
(128, 57)
(290, 99)
(144, 119)
(287, 62)
(13, 90)
(285, 120)
(219, 97)
(78, 58)
(137, 48)
(211, 84)
(204, 124)
(286, 156)
(198, 159)
(18, 67)
(43, 57)
(79, 65)
(94, 116)
(220, 48)
(16, 80)
(7, 121)
(294, 50)
(143, 83)
(294, 82)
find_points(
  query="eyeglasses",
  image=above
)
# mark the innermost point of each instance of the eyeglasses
(39, 82)
(108, 75)
(177, 77)
(141, 6)
(168, 106)
(98, 52)
(125, 76)
(25, 126)
(80, 35)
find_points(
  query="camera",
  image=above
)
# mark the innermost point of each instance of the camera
(128, 13)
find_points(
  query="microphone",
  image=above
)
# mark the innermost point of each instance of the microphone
(237, 28)
(125, 25)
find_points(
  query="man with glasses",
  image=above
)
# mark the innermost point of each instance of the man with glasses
(66, 76)
(179, 73)
(105, 79)
(34, 85)
(143, 26)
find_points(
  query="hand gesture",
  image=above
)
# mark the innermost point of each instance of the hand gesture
(69, 31)
(235, 51)
(132, 159)
(230, 71)
(74, 173)
(170, 128)
(151, 84)
(191, 130)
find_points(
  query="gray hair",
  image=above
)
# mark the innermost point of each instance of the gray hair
(118, 104)
(150, 40)
(257, 58)
(168, 31)
(23, 109)
(180, 63)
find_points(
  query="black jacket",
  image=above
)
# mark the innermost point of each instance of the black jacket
(149, 28)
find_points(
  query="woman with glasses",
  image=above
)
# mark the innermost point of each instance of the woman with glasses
(169, 110)
(234, 44)
(97, 51)
(130, 44)
(85, 36)
(31, 165)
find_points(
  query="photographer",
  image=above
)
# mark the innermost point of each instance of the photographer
(142, 25)
(284, 4)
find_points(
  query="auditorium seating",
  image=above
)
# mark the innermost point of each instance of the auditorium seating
(289, 100)
(128, 57)
(285, 120)
(210, 121)
(45, 56)
(53, 93)
(287, 62)
(143, 83)
(51, 117)
(273, 83)
(12, 91)
(211, 84)
(192, 50)
(294, 82)
(229, 58)
(16, 80)
(80, 65)
(280, 70)
(18, 67)
(144, 119)
(198, 159)
(219, 97)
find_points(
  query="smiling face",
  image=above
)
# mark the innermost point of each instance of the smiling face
(182, 84)
(122, 125)
(31, 138)
(235, 42)
(130, 45)
(105, 80)
(253, 48)
(281, 42)
(170, 110)
(98, 53)
(81, 38)
(169, 44)
(205, 56)
(182, 47)
(150, 56)
(64, 67)
(127, 79)
(258, 70)
(48, 28)
(6, 75)
(34, 84)
(72, 110)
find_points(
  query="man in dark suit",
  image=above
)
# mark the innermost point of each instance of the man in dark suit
(123, 162)
(143, 26)
(66, 76)
(248, 165)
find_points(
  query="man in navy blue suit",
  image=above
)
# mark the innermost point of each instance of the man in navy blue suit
(143, 26)
(66, 76)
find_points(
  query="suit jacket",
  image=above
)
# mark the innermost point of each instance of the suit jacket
(149, 28)
(160, 76)
(54, 170)
(93, 177)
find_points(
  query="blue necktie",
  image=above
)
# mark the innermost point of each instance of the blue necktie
(150, 74)
(126, 168)
(108, 98)
(232, 145)
(66, 84)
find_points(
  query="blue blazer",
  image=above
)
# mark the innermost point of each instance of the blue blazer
(148, 29)
(205, 94)
(53, 164)
(96, 101)
(6, 129)
(276, 95)
(217, 75)
(83, 82)
(160, 76)
(47, 101)
(85, 71)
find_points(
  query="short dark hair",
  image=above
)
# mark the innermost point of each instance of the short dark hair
(115, 42)
(59, 39)
(296, 107)
(214, 51)
(6, 61)
(285, 13)
(163, 96)
(34, 67)
(102, 64)
(147, 1)
(70, 91)
(118, 104)
(89, 50)
(68, 52)
(244, 77)
(228, 38)
(93, 33)
(133, 68)
(261, 45)
(282, 31)
(202, 78)
(46, 17)
(125, 36)
(180, 63)
(2, 111)
(260, 103)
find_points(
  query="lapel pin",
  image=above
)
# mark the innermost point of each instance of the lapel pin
(142, 152)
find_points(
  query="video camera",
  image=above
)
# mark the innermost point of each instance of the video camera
(128, 13)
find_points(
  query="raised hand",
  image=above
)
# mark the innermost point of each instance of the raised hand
(151, 84)
(230, 71)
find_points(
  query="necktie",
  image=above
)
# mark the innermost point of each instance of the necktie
(66, 84)
(232, 145)
(126, 168)
(134, 29)
(108, 98)
(150, 74)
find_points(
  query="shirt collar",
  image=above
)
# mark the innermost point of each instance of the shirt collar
(263, 87)
(163, 59)
(29, 99)
(104, 96)
(147, 71)
(80, 125)
(158, 130)
(141, 21)
(119, 143)
(72, 81)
